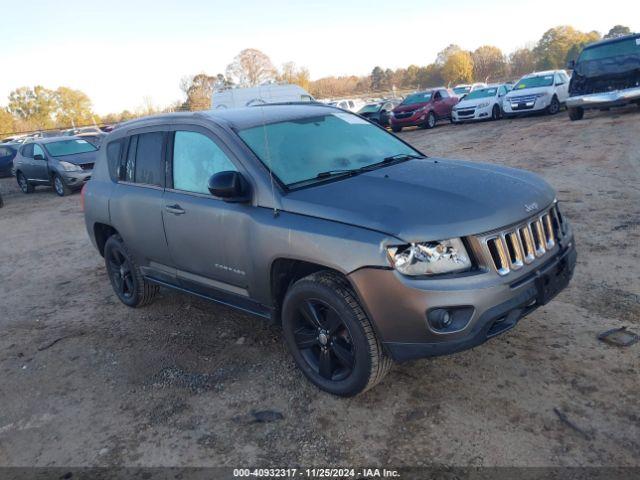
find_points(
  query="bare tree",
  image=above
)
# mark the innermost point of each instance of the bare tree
(251, 67)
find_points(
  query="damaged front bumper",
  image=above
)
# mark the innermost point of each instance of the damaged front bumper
(484, 306)
(605, 99)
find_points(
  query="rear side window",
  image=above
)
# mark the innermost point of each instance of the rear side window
(114, 157)
(27, 151)
(145, 160)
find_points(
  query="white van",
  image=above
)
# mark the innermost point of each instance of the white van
(271, 93)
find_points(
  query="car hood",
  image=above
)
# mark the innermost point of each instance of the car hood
(427, 199)
(464, 103)
(527, 91)
(409, 108)
(79, 158)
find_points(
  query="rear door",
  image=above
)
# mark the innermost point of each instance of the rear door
(207, 237)
(136, 203)
(40, 165)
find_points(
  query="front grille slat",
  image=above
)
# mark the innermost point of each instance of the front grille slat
(520, 245)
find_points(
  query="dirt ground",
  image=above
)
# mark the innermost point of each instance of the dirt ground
(85, 380)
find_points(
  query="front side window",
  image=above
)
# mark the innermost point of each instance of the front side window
(37, 150)
(69, 147)
(302, 151)
(195, 158)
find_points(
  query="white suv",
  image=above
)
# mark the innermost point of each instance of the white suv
(536, 92)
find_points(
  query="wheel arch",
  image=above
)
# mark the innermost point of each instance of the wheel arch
(285, 272)
(102, 232)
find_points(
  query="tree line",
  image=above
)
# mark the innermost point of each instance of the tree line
(39, 108)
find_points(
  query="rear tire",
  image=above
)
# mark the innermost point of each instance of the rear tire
(576, 113)
(23, 183)
(59, 186)
(395, 129)
(330, 337)
(125, 275)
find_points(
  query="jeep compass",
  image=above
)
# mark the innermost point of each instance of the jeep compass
(362, 248)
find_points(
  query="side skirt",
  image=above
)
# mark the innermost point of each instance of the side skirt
(222, 298)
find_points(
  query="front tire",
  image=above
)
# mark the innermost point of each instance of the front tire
(125, 275)
(395, 129)
(554, 106)
(496, 113)
(576, 113)
(24, 184)
(59, 186)
(330, 337)
(431, 121)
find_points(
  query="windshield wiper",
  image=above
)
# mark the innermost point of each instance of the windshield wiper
(399, 157)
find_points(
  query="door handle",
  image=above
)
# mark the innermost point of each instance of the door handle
(175, 209)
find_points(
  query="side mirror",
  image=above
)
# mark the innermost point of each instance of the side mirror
(230, 186)
(571, 64)
(38, 156)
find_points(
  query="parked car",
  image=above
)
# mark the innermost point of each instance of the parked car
(424, 109)
(378, 112)
(347, 104)
(262, 94)
(481, 104)
(537, 92)
(463, 90)
(64, 162)
(94, 138)
(606, 74)
(364, 250)
(8, 152)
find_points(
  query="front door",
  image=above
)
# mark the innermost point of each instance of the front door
(207, 237)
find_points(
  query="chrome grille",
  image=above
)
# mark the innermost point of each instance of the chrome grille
(514, 247)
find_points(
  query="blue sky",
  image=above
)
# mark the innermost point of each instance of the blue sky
(120, 52)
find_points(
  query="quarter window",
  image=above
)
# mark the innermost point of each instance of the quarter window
(114, 156)
(195, 158)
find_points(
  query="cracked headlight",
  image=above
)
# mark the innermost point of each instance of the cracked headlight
(429, 258)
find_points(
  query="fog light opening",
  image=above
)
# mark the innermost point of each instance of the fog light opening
(450, 319)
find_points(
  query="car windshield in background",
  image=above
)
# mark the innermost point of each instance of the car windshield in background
(461, 90)
(372, 108)
(298, 150)
(482, 93)
(414, 98)
(626, 47)
(69, 147)
(533, 82)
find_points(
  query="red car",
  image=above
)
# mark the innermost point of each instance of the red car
(424, 109)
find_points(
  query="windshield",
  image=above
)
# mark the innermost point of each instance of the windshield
(533, 82)
(299, 150)
(69, 147)
(482, 93)
(414, 98)
(371, 108)
(460, 90)
(630, 46)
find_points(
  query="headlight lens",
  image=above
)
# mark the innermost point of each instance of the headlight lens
(483, 104)
(429, 258)
(543, 94)
(70, 167)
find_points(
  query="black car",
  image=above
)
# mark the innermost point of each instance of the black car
(7, 154)
(378, 112)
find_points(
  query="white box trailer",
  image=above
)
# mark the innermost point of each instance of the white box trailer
(245, 97)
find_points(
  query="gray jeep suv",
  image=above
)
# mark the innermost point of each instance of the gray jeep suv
(364, 249)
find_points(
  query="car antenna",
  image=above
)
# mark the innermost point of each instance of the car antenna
(269, 165)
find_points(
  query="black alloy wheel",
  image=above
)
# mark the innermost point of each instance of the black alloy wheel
(323, 340)
(496, 113)
(554, 106)
(121, 274)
